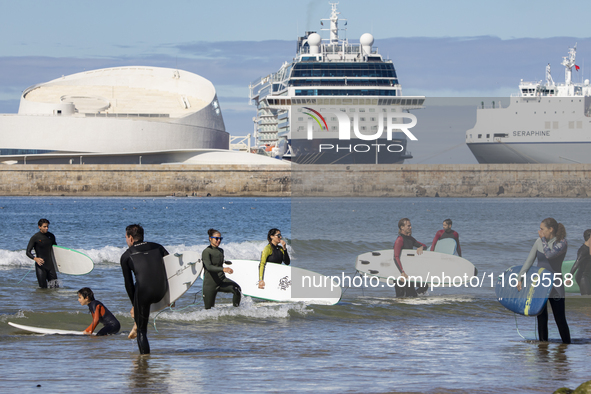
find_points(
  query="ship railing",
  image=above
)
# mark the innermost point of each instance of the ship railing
(375, 82)
(124, 115)
(240, 143)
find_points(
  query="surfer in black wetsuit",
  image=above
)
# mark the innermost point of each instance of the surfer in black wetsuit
(406, 241)
(550, 250)
(42, 243)
(273, 253)
(100, 314)
(214, 278)
(146, 261)
(581, 269)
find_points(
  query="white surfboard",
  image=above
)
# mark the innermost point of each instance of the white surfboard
(182, 270)
(430, 267)
(71, 262)
(447, 246)
(40, 330)
(284, 283)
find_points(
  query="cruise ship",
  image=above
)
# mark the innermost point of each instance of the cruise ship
(301, 107)
(545, 123)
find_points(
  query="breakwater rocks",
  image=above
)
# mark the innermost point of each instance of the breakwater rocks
(406, 180)
(584, 388)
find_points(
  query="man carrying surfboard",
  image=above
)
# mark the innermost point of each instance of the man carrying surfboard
(406, 241)
(44, 262)
(447, 232)
(146, 261)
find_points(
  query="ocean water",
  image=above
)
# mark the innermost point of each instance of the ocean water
(449, 340)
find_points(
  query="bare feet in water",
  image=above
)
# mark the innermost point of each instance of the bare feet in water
(133, 332)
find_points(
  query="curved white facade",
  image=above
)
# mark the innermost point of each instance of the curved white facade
(116, 110)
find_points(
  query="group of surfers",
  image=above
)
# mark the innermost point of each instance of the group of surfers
(549, 250)
(145, 261)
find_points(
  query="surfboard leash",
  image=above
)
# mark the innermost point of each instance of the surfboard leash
(25, 275)
(535, 328)
(175, 310)
(347, 288)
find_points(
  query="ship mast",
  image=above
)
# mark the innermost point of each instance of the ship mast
(334, 24)
(569, 64)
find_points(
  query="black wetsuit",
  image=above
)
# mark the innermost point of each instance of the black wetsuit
(42, 244)
(401, 243)
(215, 280)
(100, 314)
(582, 270)
(145, 259)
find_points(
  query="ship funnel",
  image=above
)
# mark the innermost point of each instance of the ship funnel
(314, 40)
(366, 42)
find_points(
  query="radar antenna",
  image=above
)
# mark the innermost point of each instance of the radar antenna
(569, 63)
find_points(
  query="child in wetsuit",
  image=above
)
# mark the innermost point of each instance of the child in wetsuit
(100, 314)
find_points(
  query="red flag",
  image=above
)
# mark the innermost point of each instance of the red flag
(577, 67)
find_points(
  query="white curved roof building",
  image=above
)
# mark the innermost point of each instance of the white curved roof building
(123, 110)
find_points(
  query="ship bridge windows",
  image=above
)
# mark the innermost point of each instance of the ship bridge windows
(357, 69)
(343, 82)
(344, 92)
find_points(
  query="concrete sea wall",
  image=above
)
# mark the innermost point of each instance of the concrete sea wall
(144, 180)
(408, 180)
(452, 180)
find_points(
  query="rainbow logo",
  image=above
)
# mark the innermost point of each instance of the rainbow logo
(316, 119)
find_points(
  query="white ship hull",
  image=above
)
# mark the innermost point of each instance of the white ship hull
(533, 130)
(531, 153)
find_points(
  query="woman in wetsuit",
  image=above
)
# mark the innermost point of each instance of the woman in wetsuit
(100, 314)
(550, 250)
(273, 253)
(214, 278)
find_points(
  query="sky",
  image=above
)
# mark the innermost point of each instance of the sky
(440, 48)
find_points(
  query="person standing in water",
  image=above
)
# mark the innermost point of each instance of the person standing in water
(405, 240)
(581, 269)
(273, 253)
(145, 260)
(42, 243)
(214, 278)
(550, 250)
(447, 232)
